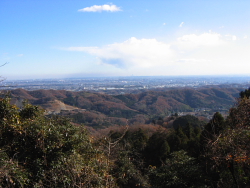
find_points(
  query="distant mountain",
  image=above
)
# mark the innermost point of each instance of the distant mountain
(103, 110)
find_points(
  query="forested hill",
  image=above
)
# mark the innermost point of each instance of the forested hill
(95, 109)
(50, 151)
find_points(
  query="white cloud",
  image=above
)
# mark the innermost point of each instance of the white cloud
(193, 61)
(207, 53)
(20, 55)
(152, 53)
(181, 24)
(231, 37)
(245, 37)
(100, 8)
(193, 41)
(132, 53)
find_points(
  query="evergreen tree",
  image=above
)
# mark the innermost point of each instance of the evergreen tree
(180, 170)
(157, 149)
(36, 151)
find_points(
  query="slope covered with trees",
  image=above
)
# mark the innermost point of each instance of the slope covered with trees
(102, 110)
(36, 151)
(41, 151)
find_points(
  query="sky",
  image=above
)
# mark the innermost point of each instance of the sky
(82, 38)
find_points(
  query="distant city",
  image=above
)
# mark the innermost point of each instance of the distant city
(120, 85)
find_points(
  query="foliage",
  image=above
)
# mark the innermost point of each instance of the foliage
(229, 147)
(46, 152)
(211, 130)
(150, 103)
(180, 170)
(70, 100)
(127, 173)
(183, 121)
(245, 94)
(157, 149)
(42, 151)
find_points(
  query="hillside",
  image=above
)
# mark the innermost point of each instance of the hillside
(51, 151)
(97, 109)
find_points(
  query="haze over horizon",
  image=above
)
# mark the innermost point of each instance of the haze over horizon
(58, 39)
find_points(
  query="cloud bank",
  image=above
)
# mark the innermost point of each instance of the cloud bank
(193, 41)
(188, 54)
(133, 52)
(100, 8)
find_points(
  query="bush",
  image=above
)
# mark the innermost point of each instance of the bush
(36, 151)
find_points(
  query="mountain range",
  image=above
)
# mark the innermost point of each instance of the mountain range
(100, 110)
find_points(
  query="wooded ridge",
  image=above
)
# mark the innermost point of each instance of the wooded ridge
(102, 110)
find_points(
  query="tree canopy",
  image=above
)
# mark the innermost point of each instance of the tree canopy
(50, 151)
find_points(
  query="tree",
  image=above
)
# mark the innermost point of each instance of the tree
(229, 149)
(180, 170)
(157, 149)
(183, 121)
(211, 130)
(36, 151)
(245, 94)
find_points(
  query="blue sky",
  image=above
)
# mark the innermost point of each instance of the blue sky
(78, 38)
